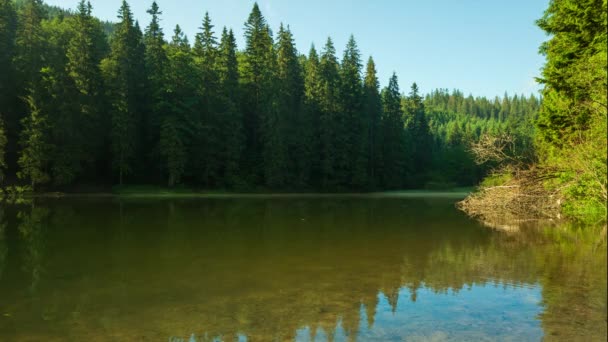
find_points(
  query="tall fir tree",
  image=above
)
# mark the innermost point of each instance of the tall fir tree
(312, 116)
(176, 132)
(122, 71)
(231, 119)
(206, 155)
(372, 111)
(391, 163)
(156, 71)
(352, 138)
(330, 108)
(259, 105)
(8, 84)
(292, 129)
(419, 141)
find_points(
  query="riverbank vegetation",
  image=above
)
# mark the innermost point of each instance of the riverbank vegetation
(86, 102)
(568, 175)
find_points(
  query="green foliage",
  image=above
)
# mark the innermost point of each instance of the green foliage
(572, 120)
(112, 102)
(3, 142)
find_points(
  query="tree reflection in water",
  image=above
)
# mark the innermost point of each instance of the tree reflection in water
(293, 269)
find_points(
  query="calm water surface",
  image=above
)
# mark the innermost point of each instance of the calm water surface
(284, 269)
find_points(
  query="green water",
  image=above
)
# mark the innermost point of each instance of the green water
(306, 268)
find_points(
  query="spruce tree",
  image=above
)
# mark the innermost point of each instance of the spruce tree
(330, 109)
(352, 139)
(206, 152)
(176, 132)
(84, 88)
(420, 141)
(372, 111)
(292, 129)
(8, 85)
(391, 164)
(156, 72)
(231, 119)
(312, 116)
(3, 143)
(123, 75)
(259, 105)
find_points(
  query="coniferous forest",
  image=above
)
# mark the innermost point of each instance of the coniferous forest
(89, 102)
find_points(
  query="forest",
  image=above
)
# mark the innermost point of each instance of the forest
(89, 102)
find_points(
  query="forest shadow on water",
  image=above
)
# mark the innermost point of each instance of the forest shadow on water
(305, 269)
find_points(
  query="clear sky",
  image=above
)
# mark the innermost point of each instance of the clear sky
(483, 47)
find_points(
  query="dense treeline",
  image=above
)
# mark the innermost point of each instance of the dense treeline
(572, 123)
(83, 101)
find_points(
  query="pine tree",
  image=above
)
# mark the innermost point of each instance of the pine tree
(123, 74)
(330, 109)
(420, 141)
(80, 127)
(352, 143)
(8, 85)
(259, 105)
(156, 69)
(292, 129)
(176, 133)
(312, 111)
(206, 152)
(3, 143)
(34, 156)
(30, 43)
(391, 166)
(231, 119)
(372, 111)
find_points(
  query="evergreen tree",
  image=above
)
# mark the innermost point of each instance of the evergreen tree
(330, 109)
(419, 137)
(123, 74)
(231, 120)
(176, 132)
(352, 138)
(81, 125)
(372, 112)
(34, 156)
(3, 142)
(391, 167)
(292, 130)
(156, 69)
(313, 92)
(8, 88)
(206, 153)
(259, 105)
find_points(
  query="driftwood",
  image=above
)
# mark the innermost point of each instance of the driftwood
(523, 199)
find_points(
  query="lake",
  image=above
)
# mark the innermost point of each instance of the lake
(292, 268)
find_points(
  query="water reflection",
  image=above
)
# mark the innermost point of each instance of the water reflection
(292, 269)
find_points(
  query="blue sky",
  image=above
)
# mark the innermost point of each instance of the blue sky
(483, 47)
